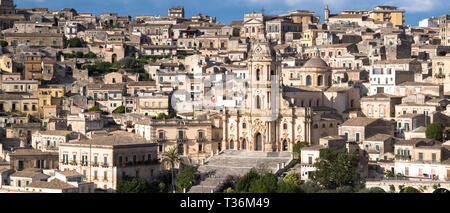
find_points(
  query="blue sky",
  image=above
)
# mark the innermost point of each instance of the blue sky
(227, 10)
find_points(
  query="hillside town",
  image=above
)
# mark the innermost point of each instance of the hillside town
(94, 103)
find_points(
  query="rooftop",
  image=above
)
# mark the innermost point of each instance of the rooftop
(359, 121)
(53, 184)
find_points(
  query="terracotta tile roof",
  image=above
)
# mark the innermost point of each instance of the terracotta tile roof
(359, 121)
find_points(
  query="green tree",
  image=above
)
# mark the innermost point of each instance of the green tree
(119, 110)
(94, 109)
(90, 55)
(293, 178)
(287, 187)
(435, 131)
(187, 177)
(336, 169)
(135, 185)
(129, 62)
(265, 184)
(296, 151)
(243, 184)
(161, 116)
(75, 42)
(3, 43)
(310, 187)
(172, 157)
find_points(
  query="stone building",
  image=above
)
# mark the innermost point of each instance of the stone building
(195, 139)
(109, 160)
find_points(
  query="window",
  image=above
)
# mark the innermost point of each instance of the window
(244, 125)
(84, 159)
(180, 134)
(382, 111)
(149, 157)
(65, 158)
(105, 160)
(420, 156)
(369, 111)
(200, 147)
(95, 160)
(105, 176)
(95, 175)
(285, 126)
(357, 137)
(308, 80)
(74, 158)
(433, 157)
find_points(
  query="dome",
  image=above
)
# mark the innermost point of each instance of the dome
(315, 61)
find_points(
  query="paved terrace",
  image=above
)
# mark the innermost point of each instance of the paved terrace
(237, 162)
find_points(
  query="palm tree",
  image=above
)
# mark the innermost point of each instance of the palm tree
(172, 157)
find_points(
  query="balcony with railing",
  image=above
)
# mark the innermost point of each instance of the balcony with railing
(181, 139)
(439, 76)
(201, 139)
(161, 139)
(403, 157)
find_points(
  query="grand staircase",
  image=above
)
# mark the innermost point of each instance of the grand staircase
(236, 162)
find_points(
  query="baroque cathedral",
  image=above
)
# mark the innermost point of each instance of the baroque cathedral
(275, 116)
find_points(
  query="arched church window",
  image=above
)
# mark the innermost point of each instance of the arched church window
(244, 125)
(285, 126)
(308, 80)
(320, 80)
(258, 74)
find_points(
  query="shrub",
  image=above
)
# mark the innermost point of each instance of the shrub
(293, 178)
(286, 187)
(229, 182)
(94, 109)
(119, 110)
(410, 189)
(75, 42)
(136, 185)
(3, 43)
(372, 190)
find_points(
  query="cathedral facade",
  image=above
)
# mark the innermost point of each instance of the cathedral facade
(273, 120)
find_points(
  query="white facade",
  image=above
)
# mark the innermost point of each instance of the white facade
(413, 169)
